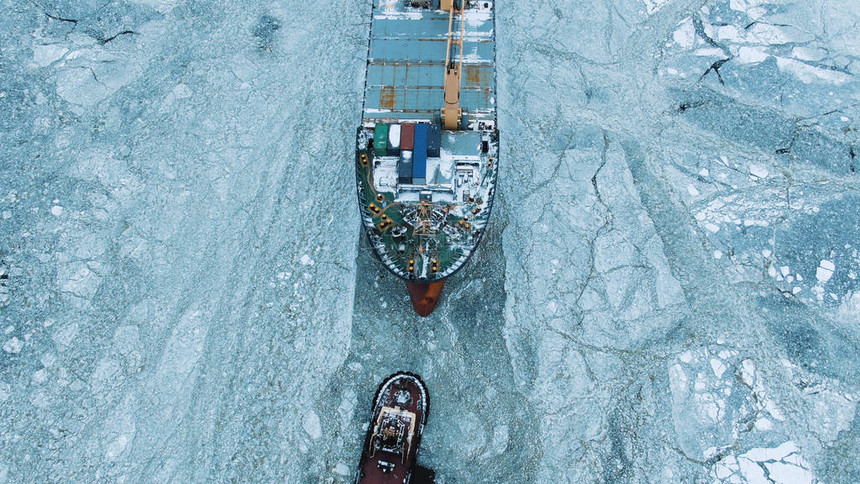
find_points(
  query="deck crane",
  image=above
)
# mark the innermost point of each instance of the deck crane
(451, 112)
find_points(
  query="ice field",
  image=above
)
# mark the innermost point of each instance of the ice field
(669, 290)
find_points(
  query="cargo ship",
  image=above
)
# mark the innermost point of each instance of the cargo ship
(400, 410)
(427, 149)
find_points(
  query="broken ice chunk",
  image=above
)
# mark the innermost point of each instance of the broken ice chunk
(13, 346)
(825, 271)
(311, 424)
(758, 172)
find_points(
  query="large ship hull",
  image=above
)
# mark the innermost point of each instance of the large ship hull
(426, 181)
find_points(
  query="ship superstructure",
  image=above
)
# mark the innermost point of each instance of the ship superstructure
(427, 149)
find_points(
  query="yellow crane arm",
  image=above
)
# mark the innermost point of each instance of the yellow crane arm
(451, 112)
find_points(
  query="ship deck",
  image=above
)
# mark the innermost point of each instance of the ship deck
(406, 74)
(425, 191)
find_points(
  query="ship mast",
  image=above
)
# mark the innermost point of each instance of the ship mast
(451, 112)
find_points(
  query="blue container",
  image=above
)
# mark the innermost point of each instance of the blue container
(434, 140)
(404, 168)
(419, 155)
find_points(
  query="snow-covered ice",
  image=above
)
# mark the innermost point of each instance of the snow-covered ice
(668, 291)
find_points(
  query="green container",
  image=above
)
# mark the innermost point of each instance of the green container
(380, 140)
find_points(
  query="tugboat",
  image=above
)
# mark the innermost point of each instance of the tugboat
(400, 410)
(427, 150)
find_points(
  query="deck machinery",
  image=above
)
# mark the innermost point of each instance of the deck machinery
(427, 149)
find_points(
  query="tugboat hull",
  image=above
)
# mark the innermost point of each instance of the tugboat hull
(400, 410)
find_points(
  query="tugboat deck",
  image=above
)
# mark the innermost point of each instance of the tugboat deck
(400, 411)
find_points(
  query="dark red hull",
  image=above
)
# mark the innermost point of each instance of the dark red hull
(399, 413)
(425, 296)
